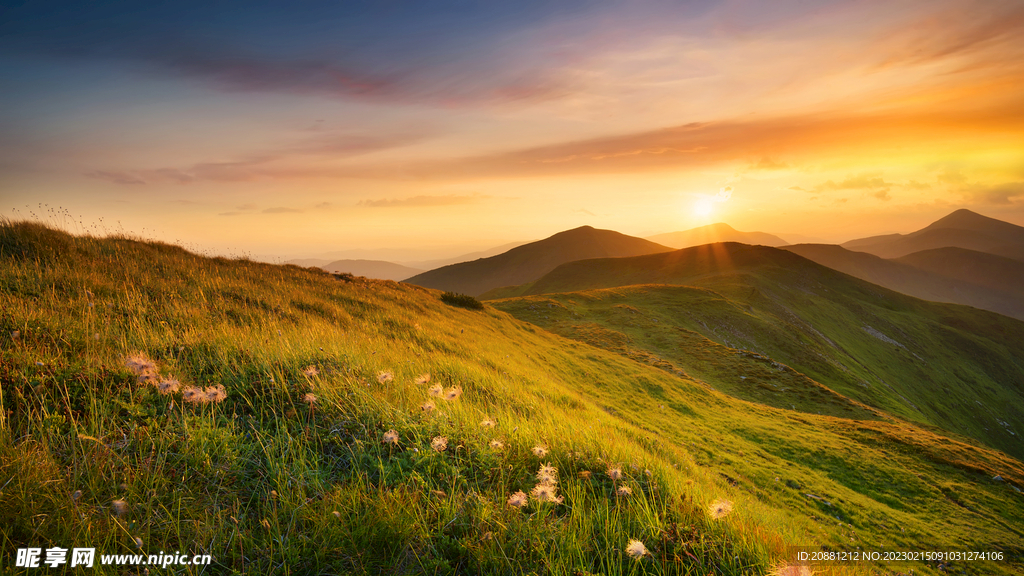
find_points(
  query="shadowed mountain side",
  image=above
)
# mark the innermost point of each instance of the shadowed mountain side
(950, 366)
(378, 269)
(974, 278)
(712, 233)
(531, 261)
(961, 229)
(978, 268)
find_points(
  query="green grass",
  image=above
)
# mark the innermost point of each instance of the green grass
(269, 483)
(952, 367)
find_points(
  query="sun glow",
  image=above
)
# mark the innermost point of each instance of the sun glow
(703, 207)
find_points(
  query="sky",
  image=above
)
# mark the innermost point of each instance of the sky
(422, 129)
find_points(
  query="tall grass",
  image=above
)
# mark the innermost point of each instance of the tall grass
(269, 481)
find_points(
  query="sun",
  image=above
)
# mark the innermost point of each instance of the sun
(703, 207)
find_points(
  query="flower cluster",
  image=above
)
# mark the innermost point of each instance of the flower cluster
(147, 372)
(209, 395)
(546, 489)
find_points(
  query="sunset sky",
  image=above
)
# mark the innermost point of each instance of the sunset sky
(427, 128)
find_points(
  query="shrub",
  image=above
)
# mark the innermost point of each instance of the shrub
(461, 300)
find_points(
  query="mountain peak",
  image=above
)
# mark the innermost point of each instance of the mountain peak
(529, 262)
(966, 219)
(961, 229)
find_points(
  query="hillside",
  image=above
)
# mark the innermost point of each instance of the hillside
(712, 233)
(531, 261)
(307, 448)
(378, 269)
(960, 229)
(948, 366)
(951, 275)
(990, 271)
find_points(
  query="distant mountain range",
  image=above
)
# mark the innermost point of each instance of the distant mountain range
(531, 261)
(372, 269)
(711, 233)
(438, 263)
(954, 275)
(961, 229)
(387, 270)
(872, 345)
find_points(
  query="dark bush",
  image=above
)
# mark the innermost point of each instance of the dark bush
(461, 300)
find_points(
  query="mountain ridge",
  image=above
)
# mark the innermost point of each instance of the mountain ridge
(531, 261)
(712, 233)
(960, 229)
(934, 281)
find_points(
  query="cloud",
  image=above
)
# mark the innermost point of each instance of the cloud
(280, 210)
(859, 182)
(583, 211)
(404, 52)
(766, 163)
(957, 29)
(915, 185)
(116, 177)
(712, 143)
(273, 163)
(323, 205)
(950, 176)
(422, 201)
(1007, 193)
(882, 194)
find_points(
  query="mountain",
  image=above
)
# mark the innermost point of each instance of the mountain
(437, 263)
(308, 262)
(997, 273)
(711, 233)
(961, 229)
(372, 269)
(531, 261)
(953, 275)
(309, 443)
(943, 365)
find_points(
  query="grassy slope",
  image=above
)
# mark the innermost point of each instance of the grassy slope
(645, 323)
(948, 366)
(256, 480)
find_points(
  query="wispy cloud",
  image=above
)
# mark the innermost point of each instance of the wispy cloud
(709, 143)
(956, 29)
(270, 163)
(1007, 193)
(116, 177)
(281, 210)
(766, 163)
(424, 200)
(858, 182)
